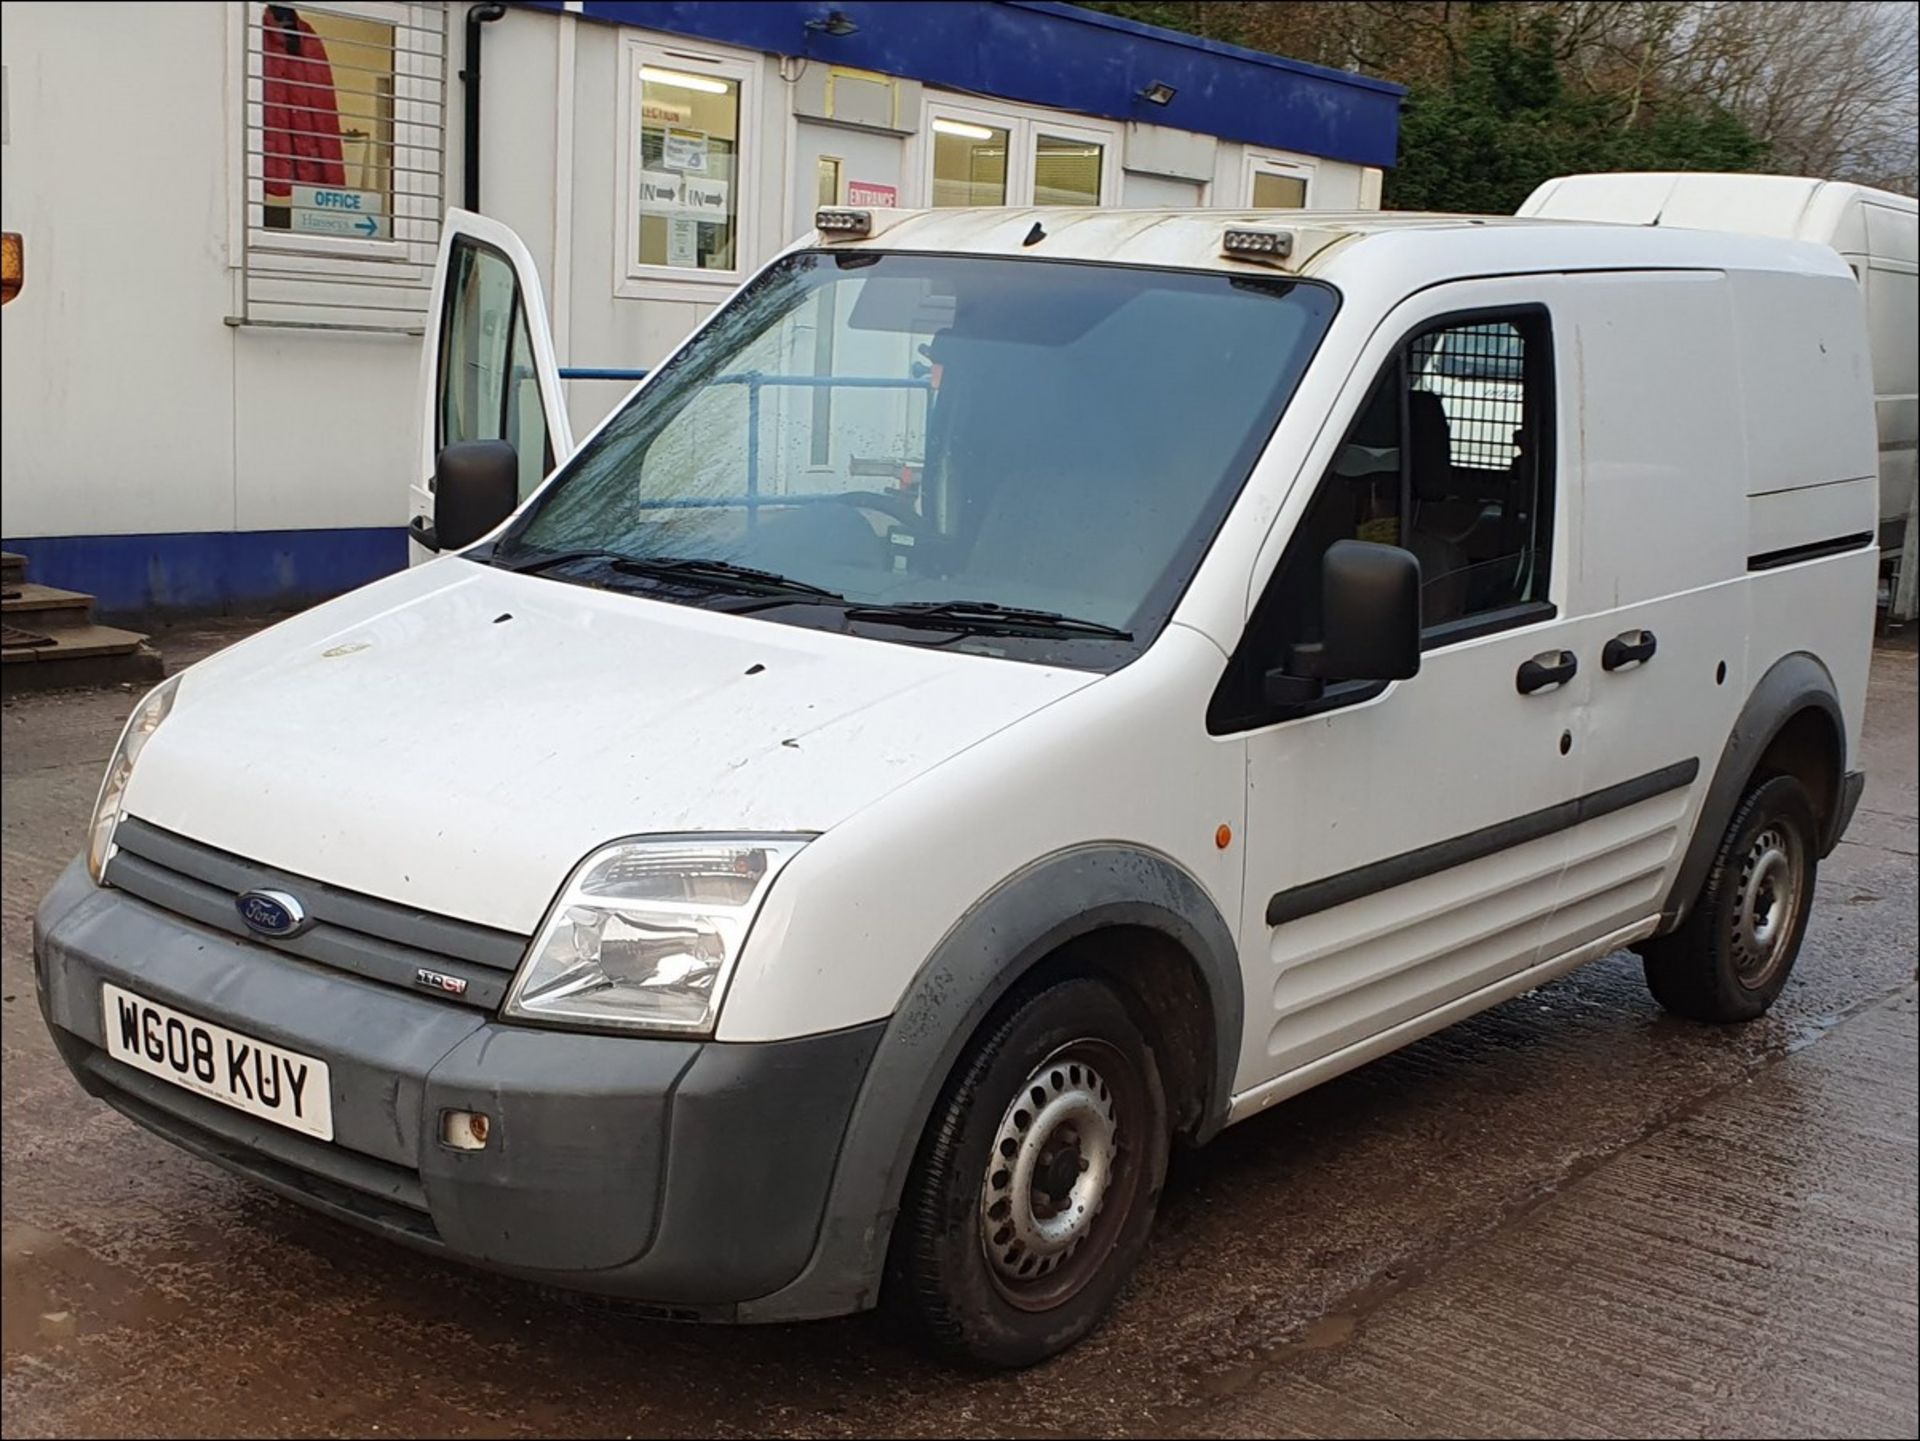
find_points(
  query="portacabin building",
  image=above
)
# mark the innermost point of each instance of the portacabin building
(231, 213)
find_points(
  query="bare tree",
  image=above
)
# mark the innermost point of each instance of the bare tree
(1829, 85)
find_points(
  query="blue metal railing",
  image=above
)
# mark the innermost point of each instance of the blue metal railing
(599, 372)
(756, 377)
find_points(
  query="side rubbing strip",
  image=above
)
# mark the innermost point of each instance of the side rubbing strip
(1323, 895)
(1813, 550)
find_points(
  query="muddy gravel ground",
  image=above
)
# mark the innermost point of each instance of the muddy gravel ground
(1572, 1215)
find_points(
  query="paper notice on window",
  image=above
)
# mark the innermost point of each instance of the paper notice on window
(685, 150)
(659, 192)
(683, 243)
(706, 199)
(665, 112)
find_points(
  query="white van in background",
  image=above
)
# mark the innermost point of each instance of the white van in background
(1875, 231)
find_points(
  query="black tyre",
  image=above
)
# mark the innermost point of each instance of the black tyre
(1036, 1181)
(1733, 954)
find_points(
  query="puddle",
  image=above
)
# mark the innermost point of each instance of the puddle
(1327, 1333)
(56, 1291)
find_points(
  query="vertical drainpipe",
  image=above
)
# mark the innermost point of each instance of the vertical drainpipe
(477, 16)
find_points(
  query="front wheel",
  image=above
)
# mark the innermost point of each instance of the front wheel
(1733, 954)
(1035, 1185)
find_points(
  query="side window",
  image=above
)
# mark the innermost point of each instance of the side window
(1450, 456)
(1478, 488)
(489, 388)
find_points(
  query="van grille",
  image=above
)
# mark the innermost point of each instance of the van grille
(350, 932)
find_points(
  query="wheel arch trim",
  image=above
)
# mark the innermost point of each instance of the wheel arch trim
(999, 940)
(1794, 684)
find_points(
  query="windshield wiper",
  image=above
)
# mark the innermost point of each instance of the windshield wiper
(699, 568)
(713, 573)
(547, 560)
(984, 615)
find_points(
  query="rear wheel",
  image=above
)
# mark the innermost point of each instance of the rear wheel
(1732, 956)
(1035, 1186)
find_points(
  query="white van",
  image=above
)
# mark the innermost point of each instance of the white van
(1017, 689)
(1876, 232)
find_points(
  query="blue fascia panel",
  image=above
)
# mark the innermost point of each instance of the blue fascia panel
(212, 571)
(1061, 56)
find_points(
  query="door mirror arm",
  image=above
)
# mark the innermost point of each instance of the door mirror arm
(420, 530)
(1287, 686)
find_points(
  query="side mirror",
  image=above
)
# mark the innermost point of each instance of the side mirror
(1370, 609)
(476, 485)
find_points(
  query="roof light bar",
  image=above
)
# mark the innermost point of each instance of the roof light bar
(1273, 247)
(849, 223)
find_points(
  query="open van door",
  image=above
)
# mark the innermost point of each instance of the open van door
(488, 363)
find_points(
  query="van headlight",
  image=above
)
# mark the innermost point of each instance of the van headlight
(144, 721)
(646, 932)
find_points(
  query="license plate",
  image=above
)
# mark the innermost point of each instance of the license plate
(276, 1085)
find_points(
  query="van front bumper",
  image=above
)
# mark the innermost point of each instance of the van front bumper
(691, 1176)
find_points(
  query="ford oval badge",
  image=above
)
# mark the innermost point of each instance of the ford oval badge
(272, 913)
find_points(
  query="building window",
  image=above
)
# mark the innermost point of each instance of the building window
(1014, 156)
(686, 162)
(343, 116)
(1272, 191)
(1275, 184)
(689, 148)
(1066, 171)
(969, 163)
(327, 123)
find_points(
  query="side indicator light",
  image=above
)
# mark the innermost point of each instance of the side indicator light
(465, 1130)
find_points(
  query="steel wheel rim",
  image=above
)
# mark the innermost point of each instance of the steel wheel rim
(1061, 1175)
(1766, 904)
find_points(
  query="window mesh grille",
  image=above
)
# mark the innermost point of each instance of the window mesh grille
(344, 163)
(1479, 373)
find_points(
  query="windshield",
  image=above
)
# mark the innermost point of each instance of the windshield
(902, 430)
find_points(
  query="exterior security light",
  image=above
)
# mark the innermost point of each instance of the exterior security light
(1158, 93)
(1271, 246)
(837, 24)
(853, 224)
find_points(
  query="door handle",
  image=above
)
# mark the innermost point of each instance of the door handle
(1554, 667)
(1628, 648)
